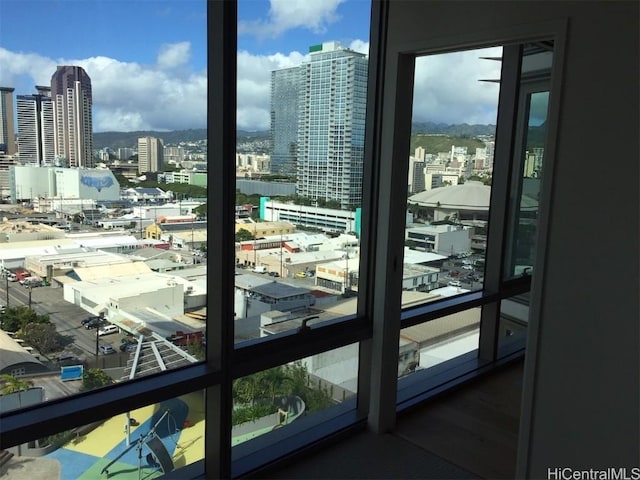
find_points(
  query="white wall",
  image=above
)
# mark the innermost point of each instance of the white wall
(581, 398)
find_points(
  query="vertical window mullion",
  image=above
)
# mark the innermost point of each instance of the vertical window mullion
(389, 220)
(221, 115)
(496, 234)
(370, 192)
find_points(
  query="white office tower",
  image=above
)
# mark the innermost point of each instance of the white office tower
(150, 155)
(73, 128)
(331, 123)
(36, 142)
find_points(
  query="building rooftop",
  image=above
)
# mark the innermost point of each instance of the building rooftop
(467, 196)
(13, 353)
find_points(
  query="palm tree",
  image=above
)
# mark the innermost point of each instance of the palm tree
(10, 384)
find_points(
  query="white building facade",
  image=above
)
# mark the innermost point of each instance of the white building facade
(29, 182)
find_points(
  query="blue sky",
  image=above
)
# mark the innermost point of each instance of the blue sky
(147, 58)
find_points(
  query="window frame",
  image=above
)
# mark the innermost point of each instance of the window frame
(379, 316)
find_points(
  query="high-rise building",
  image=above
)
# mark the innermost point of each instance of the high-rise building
(124, 153)
(44, 90)
(7, 131)
(36, 142)
(71, 93)
(150, 154)
(416, 175)
(174, 154)
(332, 107)
(285, 85)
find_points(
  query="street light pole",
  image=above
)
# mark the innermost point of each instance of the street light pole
(6, 278)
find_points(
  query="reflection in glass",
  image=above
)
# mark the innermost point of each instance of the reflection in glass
(272, 399)
(431, 343)
(143, 443)
(514, 320)
(450, 170)
(525, 223)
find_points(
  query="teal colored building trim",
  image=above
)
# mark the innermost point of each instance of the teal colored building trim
(263, 207)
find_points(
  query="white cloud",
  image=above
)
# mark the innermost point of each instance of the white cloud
(14, 66)
(448, 89)
(254, 86)
(174, 55)
(130, 96)
(359, 46)
(289, 14)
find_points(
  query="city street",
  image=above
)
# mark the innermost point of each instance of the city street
(64, 315)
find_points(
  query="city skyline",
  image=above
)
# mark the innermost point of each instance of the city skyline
(168, 57)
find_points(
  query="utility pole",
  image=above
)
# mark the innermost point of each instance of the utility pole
(6, 279)
(29, 297)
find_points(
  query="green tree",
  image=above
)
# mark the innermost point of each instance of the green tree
(42, 336)
(201, 211)
(122, 180)
(95, 378)
(244, 235)
(16, 318)
(196, 350)
(10, 384)
(286, 380)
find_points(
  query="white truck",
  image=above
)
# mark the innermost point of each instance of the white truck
(259, 269)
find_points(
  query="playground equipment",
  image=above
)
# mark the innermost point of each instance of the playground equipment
(158, 457)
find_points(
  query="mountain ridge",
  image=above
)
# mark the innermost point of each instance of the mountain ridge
(116, 140)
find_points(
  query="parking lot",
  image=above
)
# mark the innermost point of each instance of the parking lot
(67, 317)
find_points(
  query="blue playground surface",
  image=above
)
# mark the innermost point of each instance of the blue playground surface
(83, 466)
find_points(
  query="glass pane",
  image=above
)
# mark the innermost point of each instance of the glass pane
(143, 443)
(293, 394)
(104, 261)
(299, 166)
(526, 215)
(450, 170)
(514, 321)
(431, 343)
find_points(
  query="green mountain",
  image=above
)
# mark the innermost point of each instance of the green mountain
(115, 140)
(434, 137)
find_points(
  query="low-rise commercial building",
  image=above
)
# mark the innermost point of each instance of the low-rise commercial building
(326, 219)
(442, 239)
(30, 182)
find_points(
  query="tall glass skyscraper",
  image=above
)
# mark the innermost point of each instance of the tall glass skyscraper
(71, 94)
(331, 103)
(285, 85)
(7, 132)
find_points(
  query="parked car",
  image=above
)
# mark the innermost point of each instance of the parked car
(32, 282)
(301, 275)
(106, 349)
(12, 277)
(108, 330)
(84, 321)
(454, 283)
(128, 347)
(95, 322)
(467, 267)
(274, 274)
(68, 359)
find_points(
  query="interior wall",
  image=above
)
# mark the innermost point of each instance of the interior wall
(581, 399)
